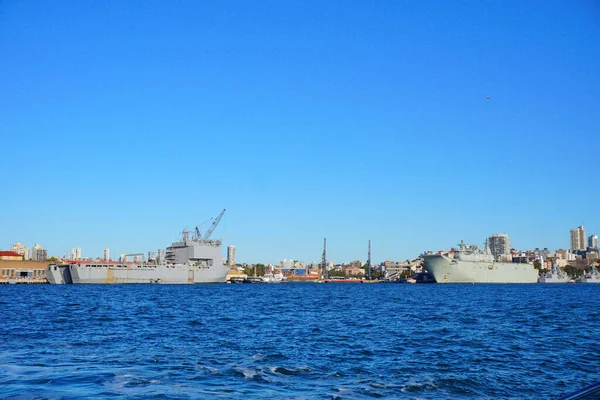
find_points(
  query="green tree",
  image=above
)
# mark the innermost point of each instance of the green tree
(336, 273)
(406, 274)
(572, 271)
(259, 269)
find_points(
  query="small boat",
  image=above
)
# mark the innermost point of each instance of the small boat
(251, 279)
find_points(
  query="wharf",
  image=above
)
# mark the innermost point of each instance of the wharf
(23, 281)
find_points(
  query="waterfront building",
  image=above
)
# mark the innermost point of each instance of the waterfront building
(593, 241)
(499, 244)
(75, 253)
(231, 255)
(21, 249)
(14, 268)
(38, 253)
(10, 256)
(578, 238)
(106, 255)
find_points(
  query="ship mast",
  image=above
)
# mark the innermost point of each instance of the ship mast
(324, 260)
(369, 262)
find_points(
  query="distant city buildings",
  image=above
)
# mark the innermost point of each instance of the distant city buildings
(21, 249)
(231, 255)
(75, 253)
(593, 241)
(106, 255)
(499, 244)
(578, 238)
(286, 264)
(38, 253)
(562, 254)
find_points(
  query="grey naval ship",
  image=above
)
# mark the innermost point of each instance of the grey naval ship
(195, 259)
(554, 276)
(469, 264)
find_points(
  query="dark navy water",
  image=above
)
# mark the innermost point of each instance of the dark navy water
(298, 341)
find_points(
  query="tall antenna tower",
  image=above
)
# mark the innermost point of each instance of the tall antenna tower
(324, 260)
(369, 262)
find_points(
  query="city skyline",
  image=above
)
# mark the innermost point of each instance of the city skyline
(499, 244)
(411, 125)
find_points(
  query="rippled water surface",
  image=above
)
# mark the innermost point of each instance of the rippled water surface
(298, 341)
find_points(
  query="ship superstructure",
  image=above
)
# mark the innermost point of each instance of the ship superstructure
(469, 264)
(591, 277)
(191, 260)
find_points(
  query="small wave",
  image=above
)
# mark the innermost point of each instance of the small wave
(282, 371)
(137, 383)
(413, 387)
(248, 373)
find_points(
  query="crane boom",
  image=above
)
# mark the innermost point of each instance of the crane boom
(214, 225)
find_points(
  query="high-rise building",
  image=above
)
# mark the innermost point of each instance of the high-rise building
(578, 238)
(38, 253)
(231, 255)
(106, 255)
(75, 253)
(499, 244)
(593, 241)
(21, 250)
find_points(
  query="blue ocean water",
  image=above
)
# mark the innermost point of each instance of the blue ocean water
(328, 341)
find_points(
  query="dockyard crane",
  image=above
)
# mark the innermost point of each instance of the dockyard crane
(212, 227)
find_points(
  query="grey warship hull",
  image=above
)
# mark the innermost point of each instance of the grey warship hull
(99, 273)
(447, 270)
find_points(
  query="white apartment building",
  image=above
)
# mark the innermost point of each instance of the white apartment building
(499, 244)
(593, 241)
(21, 249)
(38, 253)
(578, 238)
(231, 255)
(75, 253)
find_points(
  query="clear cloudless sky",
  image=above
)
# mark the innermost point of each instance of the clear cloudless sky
(122, 122)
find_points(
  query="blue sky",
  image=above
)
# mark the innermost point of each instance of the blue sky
(123, 122)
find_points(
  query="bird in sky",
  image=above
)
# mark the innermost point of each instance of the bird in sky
(489, 97)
